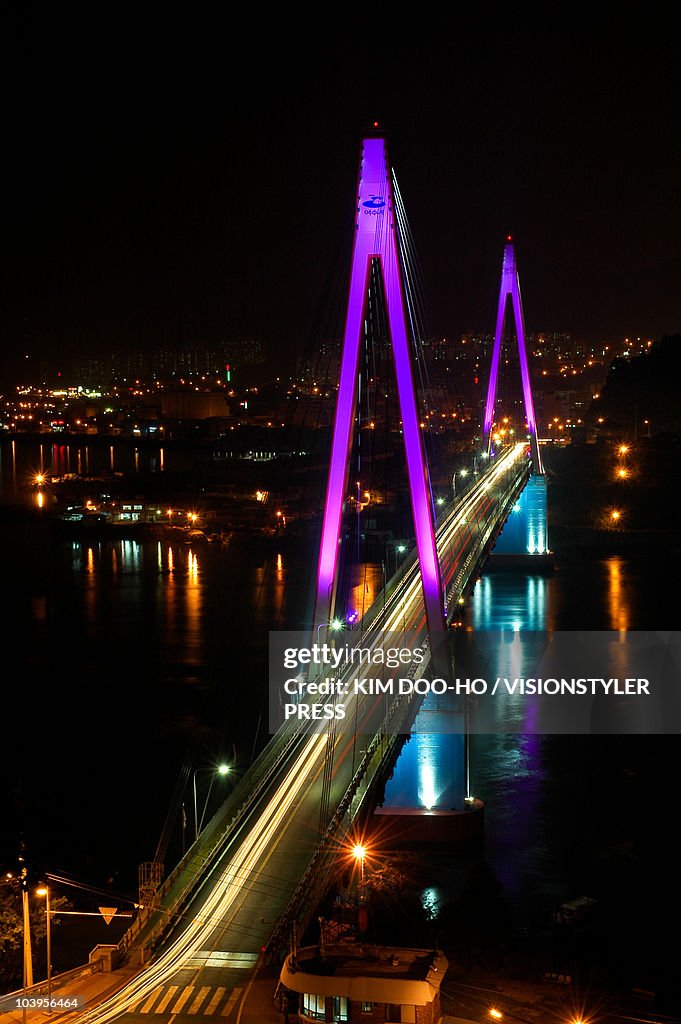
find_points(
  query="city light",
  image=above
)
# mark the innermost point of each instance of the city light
(496, 1014)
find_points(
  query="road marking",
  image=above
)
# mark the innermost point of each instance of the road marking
(166, 999)
(150, 1001)
(229, 1006)
(210, 1009)
(183, 999)
(216, 958)
(199, 999)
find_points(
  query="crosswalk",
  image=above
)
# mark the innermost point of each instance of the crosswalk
(207, 1000)
(217, 958)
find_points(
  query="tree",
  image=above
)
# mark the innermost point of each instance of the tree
(12, 932)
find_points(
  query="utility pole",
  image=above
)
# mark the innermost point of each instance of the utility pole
(28, 959)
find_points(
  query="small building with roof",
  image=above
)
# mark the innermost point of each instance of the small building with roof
(353, 983)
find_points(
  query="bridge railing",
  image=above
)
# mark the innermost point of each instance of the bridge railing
(186, 878)
(371, 769)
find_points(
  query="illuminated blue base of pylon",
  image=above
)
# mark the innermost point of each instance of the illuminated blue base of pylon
(429, 773)
(525, 533)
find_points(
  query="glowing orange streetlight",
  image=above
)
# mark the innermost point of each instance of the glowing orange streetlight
(359, 852)
(494, 1013)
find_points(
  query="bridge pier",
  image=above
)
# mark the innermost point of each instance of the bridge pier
(412, 828)
(425, 799)
(524, 541)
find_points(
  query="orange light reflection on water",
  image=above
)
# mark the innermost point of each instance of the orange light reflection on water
(618, 602)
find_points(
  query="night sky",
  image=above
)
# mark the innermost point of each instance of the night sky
(191, 181)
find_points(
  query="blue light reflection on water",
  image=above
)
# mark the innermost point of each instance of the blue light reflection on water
(508, 769)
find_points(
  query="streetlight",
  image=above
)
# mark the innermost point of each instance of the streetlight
(335, 625)
(222, 769)
(399, 549)
(494, 1013)
(463, 473)
(44, 890)
(359, 852)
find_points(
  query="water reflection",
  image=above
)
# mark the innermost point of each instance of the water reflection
(431, 900)
(511, 601)
(365, 585)
(21, 460)
(618, 604)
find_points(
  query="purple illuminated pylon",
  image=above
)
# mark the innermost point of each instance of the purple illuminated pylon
(510, 285)
(376, 239)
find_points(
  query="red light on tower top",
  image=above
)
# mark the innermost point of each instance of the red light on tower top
(509, 238)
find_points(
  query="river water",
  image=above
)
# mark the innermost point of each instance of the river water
(125, 660)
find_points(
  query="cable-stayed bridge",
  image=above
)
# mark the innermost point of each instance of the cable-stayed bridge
(258, 870)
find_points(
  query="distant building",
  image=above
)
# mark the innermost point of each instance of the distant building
(363, 984)
(193, 405)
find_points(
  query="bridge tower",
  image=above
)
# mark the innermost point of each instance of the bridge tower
(524, 539)
(439, 783)
(510, 286)
(376, 242)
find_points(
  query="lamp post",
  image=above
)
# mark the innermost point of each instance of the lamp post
(222, 769)
(335, 625)
(44, 890)
(398, 549)
(359, 852)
